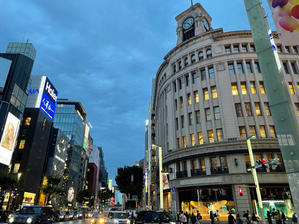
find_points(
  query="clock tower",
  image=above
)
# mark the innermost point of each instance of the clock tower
(192, 22)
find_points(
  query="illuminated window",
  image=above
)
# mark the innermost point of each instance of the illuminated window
(217, 115)
(192, 139)
(297, 108)
(182, 121)
(262, 131)
(206, 94)
(27, 121)
(252, 130)
(292, 89)
(203, 74)
(16, 168)
(197, 113)
(199, 138)
(267, 109)
(257, 109)
(214, 92)
(196, 96)
(22, 144)
(200, 55)
(202, 164)
(178, 143)
(239, 111)
(211, 72)
(194, 77)
(242, 131)
(231, 69)
(248, 109)
(187, 80)
(208, 114)
(262, 89)
(181, 102)
(211, 136)
(234, 89)
(219, 134)
(240, 68)
(272, 131)
(176, 105)
(257, 67)
(252, 87)
(184, 141)
(190, 118)
(248, 67)
(189, 99)
(243, 88)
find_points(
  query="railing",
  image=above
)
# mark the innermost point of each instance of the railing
(198, 172)
(219, 170)
(181, 174)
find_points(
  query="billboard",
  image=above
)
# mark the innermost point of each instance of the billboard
(285, 14)
(9, 136)
(48, 100)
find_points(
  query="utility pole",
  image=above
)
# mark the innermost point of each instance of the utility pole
(280, 103)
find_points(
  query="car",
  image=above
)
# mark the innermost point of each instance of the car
(4, 215)
(147, 217)
(33, 215)
(165, 217)
(79, 214)
(118, 217)
(61, 216)
(97, 218)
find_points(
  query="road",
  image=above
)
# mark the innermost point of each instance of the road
(79, 221)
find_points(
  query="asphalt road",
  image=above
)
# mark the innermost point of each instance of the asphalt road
(79, 221)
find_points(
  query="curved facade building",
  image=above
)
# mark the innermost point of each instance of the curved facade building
(208, 97)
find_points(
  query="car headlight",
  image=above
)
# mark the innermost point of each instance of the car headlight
(29, 220)
(92, 220)
(11, 219)
(172, 223)
(115, 221)
(102, 220)
(128, 221)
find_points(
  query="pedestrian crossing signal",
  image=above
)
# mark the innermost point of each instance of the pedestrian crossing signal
(240, 190)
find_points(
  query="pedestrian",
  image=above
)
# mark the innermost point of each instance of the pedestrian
(231, 219)
(182, 218)
(269, 218)
(246, 216)
(238, 219)
(254, 219)
(177, 216)
(278, 217)
(212, 217)
(199, 217)
(193, 218)
(217, 217)
(294, 218)
(283, 218)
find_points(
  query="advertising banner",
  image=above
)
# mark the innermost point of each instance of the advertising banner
(48, 100)
(285, 14)
(9, 136)
(165, 181)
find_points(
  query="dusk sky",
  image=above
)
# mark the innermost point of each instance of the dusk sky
(105, 55)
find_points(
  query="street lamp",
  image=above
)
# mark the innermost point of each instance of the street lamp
(253, 171)
(160, 174)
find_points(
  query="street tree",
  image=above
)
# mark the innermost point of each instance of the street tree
(51, 188)
(85, 196)
(104, 194)
(129, 180)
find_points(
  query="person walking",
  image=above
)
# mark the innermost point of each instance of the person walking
(193, 218)
(254, 219)
(238, 219)
(283, 218)
(294, 218)
(217, 217)
(269, 217)
(231, 219)
(278, 217)
(199, 217)
(182, 218)
(212, 217)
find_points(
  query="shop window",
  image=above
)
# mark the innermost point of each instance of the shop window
(214, 92)
(234, 89)
(200, 137)
(211, 136)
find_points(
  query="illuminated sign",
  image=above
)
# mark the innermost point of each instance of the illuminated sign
(32, 91)
(48, 100)
(8, 139)
(29, 197)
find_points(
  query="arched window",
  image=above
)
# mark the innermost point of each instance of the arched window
(200, 55)
(209, 53)
(193, 58)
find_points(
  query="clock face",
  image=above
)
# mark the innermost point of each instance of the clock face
(206, 24)
(188, 23)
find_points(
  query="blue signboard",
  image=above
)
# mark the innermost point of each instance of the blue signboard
(48, 100)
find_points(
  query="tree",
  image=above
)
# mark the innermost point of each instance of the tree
(130, 180)
(51, 188)
(83, 196)
(104, 194)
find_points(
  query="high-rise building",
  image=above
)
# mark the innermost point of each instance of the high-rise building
(208, 97)
(93, 170)
(103, 174)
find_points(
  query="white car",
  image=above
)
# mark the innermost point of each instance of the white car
(117, 217)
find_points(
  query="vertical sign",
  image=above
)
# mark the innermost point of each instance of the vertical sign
(49, 98)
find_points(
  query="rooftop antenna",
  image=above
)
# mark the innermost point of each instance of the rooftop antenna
(191, 2)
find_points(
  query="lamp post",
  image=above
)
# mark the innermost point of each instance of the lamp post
(256, 182)
(160, 174)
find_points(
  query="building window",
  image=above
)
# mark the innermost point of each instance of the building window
(252, 87)
(200, 55)
(180, 83)
(180, 65)
(175, 105)
(214, 92)
(206, 94)
(239, 112)
(217, 114)
(211, 136)
(197, 113)
(295, 49)
(294, 67)
(203, 74)
(267, 109)
(234, 89)
(208, 114)
(189, 99)
(16, 168)
(199, 138)
(190, 118)
(262, 89)
(240, 68)
(213, 163)
(244, 48)
(181, 102)
(287, 49)
(196, 96)
(184, 141)
(262, 131)
(228, 49)
(187, 80)
(186, 61)
(231, 69)
(286, 68)
(297, 108)
(272, 131)
(211, 72)
(242, 131)
(194, 77)
(257, 67)
(258, 109)
(248, 109)
(174, 86)
(182, 121)
(219, 134)
(209, 53)
(27, 121)
(252, 47)
(248, 67)
(193, 58)
(178, 143)
(236, 48)
(202, 164)
(174, 68)
(22, 144)
(252, 130)
(176, 123)
(292, 89)
(192, 139)
(243, 88)
(279, 49)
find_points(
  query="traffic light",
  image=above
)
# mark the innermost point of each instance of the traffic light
(112, 201)
(240, 190)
